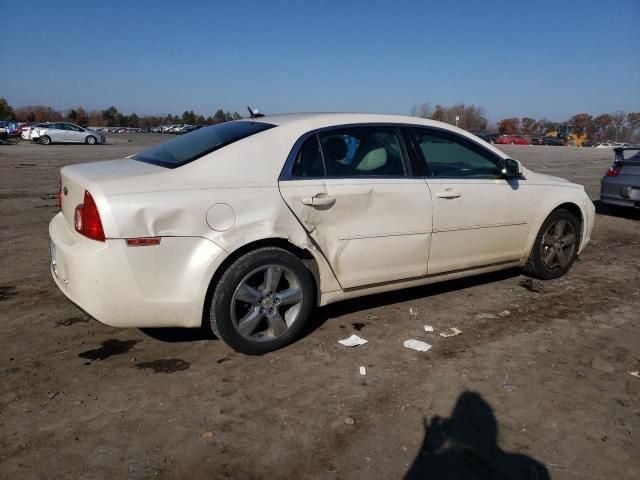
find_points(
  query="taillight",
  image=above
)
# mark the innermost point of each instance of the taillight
(86, 219)
(60, 194)
(613, 171)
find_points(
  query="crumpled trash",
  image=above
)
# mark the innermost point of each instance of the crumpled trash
(417, 345)
(352, 341)
(372, 317)
(506, 385)
(428, 328)
(453, 331)
(363, 371)
(635, 374)
(505, 313)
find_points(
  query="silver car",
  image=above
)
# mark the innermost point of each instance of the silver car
(63, 132)
(621, 184)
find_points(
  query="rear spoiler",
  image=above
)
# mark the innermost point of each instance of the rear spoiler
(619, 152)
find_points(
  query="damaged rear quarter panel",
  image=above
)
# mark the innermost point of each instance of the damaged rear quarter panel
(175, 202)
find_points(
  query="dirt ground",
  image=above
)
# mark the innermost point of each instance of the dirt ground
(536, 386)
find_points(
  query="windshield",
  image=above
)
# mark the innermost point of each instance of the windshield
(191, 146)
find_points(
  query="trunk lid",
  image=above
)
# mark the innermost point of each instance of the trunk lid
(75, 179)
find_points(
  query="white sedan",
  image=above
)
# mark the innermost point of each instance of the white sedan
(64, 132)
(246, 226)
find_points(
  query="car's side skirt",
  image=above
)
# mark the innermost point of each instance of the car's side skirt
(332, 297)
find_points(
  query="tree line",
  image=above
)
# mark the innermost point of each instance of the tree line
(618, 126)
(110, 117)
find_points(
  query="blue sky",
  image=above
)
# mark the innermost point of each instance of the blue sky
(542, 59)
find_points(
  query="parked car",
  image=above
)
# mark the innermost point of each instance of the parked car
(189, 128)
(62, 132)
(554, 141)
(10, 128)
(170, 128)
(246, 226)
(620, 186)
(28, 129)
(488, 137)
(511, 139)
(609, 144)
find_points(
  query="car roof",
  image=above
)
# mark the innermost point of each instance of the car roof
(327, 119)
(305, 122)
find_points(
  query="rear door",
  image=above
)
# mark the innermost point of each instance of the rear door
(479, 217)
(352, 191)
(56, 132)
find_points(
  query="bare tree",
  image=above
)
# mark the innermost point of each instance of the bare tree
(510, 126)
(423, 110)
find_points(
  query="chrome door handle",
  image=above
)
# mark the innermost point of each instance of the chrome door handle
(449, 193)
(319, 200)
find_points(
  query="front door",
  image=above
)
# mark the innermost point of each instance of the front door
(352, 192)
(73, 133)
(480, 218)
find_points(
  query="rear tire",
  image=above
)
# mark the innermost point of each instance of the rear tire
(262, 301)
(555, 247)
(45, 140)
(91, 140)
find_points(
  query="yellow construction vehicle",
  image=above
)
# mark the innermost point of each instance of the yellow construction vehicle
(569, 135)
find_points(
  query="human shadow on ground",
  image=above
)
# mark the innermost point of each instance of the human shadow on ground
(465, 446)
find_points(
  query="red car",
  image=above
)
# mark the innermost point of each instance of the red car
(512, 140)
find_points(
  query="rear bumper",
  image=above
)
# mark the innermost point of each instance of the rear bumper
(121, 286)
(623, 191)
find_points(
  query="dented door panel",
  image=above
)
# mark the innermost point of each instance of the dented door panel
(370, 230)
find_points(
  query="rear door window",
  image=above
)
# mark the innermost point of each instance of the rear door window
(363, 152)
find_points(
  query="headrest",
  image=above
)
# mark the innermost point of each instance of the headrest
(335, 148)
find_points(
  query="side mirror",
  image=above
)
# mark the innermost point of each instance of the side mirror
(512, 168)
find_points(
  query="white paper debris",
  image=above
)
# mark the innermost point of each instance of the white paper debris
(363, 371)
(453, 331)
(417, 345)
(352, 341)
(505, 313)
(428, 328)
(635, 374)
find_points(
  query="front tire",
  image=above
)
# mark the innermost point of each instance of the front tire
(262, 301)
(45, 140)
(90, 140)
(555, 247)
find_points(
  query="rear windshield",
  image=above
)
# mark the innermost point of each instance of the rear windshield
(191, 146)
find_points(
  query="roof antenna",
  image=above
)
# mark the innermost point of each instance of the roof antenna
(254, 113)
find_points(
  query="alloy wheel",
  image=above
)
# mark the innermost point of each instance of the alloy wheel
(558, 244)
(266, 303)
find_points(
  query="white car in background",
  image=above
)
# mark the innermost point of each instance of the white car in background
(611, 145)
(29, 130)
(246, 226)
(63, 132)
